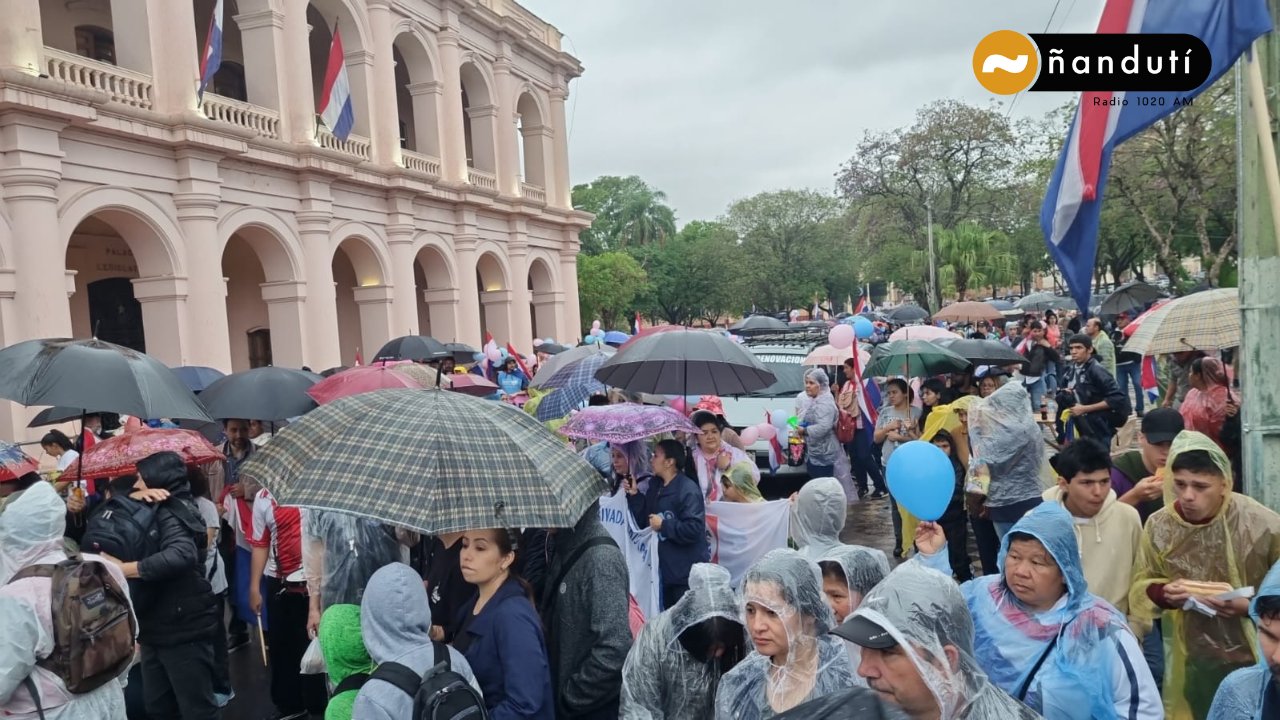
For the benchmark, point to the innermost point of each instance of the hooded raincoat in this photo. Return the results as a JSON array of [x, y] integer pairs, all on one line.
[[1238, 546], [863, 569], [1081, 639], [1242, 695], [785, 583], [818, 417], [741, 477], [344, 655], [924, 612], [661, 680], [1007, 440], [340, 552], [395, 621], [817, 517], [31, 534]]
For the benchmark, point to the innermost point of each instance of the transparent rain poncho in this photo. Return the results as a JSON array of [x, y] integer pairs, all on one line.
[[1238, 546], [1240, 696], [1005, 438], [662, 679], [924, 612], [818, 516], [795, 659], [340, 552], [863, 569]]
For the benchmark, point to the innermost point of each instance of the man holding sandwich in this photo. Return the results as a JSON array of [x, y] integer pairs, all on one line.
[[1206, 543]]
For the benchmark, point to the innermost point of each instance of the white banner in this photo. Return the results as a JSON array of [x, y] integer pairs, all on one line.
[[640, 547], [740, 533]]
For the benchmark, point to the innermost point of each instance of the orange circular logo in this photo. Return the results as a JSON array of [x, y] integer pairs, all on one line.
[[1005, 62]]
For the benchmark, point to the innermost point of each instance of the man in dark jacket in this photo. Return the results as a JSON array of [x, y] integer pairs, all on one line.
[[176, 607], [675, 510], [1039, 353], [1097, 396], [584, 608]]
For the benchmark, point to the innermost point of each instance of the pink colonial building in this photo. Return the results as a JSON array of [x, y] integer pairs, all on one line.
[[237, 231]]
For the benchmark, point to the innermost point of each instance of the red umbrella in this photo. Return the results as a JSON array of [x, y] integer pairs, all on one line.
[[469, 384], [14, 463], [119, 455], [1132, 327], [367, 378]]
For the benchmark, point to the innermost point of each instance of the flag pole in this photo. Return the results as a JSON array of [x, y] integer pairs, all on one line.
[[1262, 123]]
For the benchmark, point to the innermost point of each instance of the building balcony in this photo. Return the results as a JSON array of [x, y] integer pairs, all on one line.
[[417, 162], [123, 86], [354, 144], [262, 121], [483, 180], [533, 192]]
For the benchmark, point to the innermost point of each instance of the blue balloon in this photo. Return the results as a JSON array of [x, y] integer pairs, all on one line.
[[863, 328], [921, 478]]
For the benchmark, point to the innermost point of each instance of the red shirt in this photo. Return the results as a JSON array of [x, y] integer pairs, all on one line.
[[279, 528]]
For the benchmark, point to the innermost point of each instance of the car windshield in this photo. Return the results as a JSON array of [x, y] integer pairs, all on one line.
[[790, 380]]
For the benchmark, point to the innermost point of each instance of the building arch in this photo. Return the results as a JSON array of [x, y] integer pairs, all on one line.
[[150, 232], [439, 275], [492, 269], [543, 277], [366, 248], [273, 240], [479, 113], [418, 90], [533, 137]]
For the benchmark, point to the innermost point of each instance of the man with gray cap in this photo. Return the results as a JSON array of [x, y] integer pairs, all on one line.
[[916, 637]]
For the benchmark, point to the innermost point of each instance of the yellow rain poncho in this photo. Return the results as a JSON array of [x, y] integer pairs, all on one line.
[[1237, 546], [943, 417]]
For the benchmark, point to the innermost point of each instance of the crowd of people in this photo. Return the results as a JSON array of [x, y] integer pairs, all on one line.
[[1110, 578]]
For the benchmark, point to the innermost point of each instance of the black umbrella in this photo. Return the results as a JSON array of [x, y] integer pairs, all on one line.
[[59, 414], [856, 703], [548, 348], [1002, 305], [265, 393], [1041, 301], [758, 323], [904, 314], [686, 362], [462, 352], [418, 348], [94, 374], [983, 352], [1131, 297]]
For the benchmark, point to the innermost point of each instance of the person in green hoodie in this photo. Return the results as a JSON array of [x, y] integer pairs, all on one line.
[[344, 656]]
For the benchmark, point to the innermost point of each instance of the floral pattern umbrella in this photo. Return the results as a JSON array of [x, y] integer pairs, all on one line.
[[14, 463], [625, 422], [119, 455]]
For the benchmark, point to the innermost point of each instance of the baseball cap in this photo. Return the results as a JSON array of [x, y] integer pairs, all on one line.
[[1162, 425], [865, 633]]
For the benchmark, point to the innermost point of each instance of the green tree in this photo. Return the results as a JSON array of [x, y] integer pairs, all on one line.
[[970, 256], [697, 274], [629, 213], [608, 285]]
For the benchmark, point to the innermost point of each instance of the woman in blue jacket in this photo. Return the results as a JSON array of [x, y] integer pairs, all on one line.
[[499, 631], [674, 508]]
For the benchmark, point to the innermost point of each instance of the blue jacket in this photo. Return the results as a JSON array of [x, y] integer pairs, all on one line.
[[684, 525], [509, 656]]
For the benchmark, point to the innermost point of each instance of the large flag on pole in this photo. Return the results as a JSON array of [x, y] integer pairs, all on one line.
[[336, 109], [1073, 202], [211, 60]]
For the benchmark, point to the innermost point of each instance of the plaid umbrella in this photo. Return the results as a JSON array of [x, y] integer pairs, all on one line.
[[119, 455], [14, 463], [430, 461], [380, 376], [562, 401], [549, 375], [1208, 320], [626, 422]]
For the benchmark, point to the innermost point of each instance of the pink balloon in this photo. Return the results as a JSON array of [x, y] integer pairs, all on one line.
[[537, 342], [841, 336], [749, 435], [766, 431], [595, 324], [493, 353], [678, 405]]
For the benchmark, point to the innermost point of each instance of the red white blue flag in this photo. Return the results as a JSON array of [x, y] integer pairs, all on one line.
[[211, 59], [1073, 202], [336, 108]]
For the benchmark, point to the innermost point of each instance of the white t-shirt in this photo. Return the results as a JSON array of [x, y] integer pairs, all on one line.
[[212, 563], [67, 459], [890, 415]]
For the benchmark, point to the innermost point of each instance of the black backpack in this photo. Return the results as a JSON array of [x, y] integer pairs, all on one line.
[[438, 694], [124, 528]]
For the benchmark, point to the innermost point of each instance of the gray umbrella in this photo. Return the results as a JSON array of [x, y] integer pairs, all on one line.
[[904, 314], [983, 352], [1131, 297], [265, 393], [94, 374], [686, 362], [758, 323], [58, 414], [559, 361], [1039, 302]]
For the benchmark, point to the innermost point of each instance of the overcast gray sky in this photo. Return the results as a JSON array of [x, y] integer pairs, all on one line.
[[715, 100]]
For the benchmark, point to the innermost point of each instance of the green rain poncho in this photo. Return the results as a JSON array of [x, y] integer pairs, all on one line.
[[344, 655], [1238, 546]]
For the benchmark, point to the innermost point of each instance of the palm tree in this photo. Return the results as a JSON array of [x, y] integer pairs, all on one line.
[[972, 256]]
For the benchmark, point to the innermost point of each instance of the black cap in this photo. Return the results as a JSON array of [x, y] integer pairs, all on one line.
[[1162, 425], [864, 633]]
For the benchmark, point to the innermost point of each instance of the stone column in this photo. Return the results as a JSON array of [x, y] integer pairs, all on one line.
[[197, 200], [262, 35], [468, 315], [404, 309], [361, 73], [375, 303], [539, 147], [548, 310], [442, 306], [10, 415], [174, 55], [519, 320], [287, 316], [571, 317], [386, 113], [497, 315], [22, 38], [298, 111], [164, 317], [131, 28], [484, 121], [453, 152], [321, 337], [426, 110], [558, 190], [508, 168]]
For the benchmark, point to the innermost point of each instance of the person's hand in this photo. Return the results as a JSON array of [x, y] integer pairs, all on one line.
[[799, 431], [1238, 607], [723, 460], [1232, 408], [111, 559], [150, 495], [1077, 410], [1149, 488], [930, 538], [1176, 593], [237, 491], [313, 621], [437, 633], [655, 522], [75, 502], [1168, 401], [255, 599], [629, 483]]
